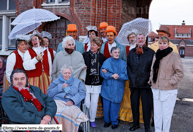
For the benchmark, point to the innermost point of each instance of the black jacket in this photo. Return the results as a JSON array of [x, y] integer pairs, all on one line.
[[87, 59], [138, 67]]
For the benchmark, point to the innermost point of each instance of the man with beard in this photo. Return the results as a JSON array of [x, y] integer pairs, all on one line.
[[72, 31], [102, 29], [107, 46], [26, 104], [138, 66]]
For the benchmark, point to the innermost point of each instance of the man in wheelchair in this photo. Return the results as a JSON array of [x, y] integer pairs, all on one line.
[[26, 104]]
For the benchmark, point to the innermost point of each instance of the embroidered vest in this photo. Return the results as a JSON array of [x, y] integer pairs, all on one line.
[[85, 46], [46, 63], [127, 50], [51, 53], [38, 71], [18, 62], [106, 51]]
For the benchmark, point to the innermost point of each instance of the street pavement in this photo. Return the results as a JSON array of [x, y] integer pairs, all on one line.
[[182, 119]]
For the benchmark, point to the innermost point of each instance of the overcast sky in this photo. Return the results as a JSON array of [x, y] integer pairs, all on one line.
[[170, 12]]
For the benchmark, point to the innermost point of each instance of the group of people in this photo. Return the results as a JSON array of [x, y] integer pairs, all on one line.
[[124, 76]]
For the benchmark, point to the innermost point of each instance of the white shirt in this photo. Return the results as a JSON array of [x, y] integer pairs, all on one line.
[[104, 39], [110, 46], [54, 52], [132, 46], [11, 60], [30, 64], [88, 46], [162, 95]]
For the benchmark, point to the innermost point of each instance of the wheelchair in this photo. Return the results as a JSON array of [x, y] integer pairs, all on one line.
[[85, 125]]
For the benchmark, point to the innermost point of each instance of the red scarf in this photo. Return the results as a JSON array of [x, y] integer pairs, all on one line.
[[139, 50], [106, 51], [29, 97]]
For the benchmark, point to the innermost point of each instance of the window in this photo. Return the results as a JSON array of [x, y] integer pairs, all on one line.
[[58, 31], [0, 32], [7, 15], [149, 39], [7, 5], [57, 3], [48, 1]]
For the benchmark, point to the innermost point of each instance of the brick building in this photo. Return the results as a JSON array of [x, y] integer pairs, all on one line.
[[151, 36], [80, 12]]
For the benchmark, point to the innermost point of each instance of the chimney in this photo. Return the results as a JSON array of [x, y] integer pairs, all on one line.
[[183, 22]]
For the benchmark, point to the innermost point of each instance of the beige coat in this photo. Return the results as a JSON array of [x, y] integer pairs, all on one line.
[[75, 60], [169, 74]]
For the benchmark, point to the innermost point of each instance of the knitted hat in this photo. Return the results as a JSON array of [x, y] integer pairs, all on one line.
[[103, 25], [111, 29], [71, 27]]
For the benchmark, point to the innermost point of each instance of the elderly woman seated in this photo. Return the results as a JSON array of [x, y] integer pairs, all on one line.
[[68, 92]]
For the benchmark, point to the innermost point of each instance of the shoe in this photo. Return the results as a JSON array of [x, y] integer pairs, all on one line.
[[107, 124], [114, 126], [80, 129], [152, 123], [133, 128], [148, 130], [92, 124]]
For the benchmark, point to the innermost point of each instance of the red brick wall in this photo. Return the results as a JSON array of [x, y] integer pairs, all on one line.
[[128, 11], [188, 51], [92, 12], [23, 5]]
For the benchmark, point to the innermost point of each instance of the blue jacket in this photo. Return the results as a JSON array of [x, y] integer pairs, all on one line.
[[123, 54], [76, 94], [79, 47], [113, 89], [25, 112]]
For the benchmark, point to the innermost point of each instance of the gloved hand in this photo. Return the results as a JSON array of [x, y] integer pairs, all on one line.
[[39, 57]]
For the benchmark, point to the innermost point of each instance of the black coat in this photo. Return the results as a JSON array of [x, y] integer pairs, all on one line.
[[87, 59], [138, 67]]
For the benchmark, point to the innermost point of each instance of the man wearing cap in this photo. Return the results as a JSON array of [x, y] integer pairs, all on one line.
[[102, 29], [106, 47], [163, 31], [72, 31]]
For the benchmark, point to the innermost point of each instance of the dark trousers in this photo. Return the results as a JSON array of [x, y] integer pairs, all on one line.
[[147, 104]]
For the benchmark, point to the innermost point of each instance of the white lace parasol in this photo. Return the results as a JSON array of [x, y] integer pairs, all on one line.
[[136, 26], [34, 16], [22, 29]]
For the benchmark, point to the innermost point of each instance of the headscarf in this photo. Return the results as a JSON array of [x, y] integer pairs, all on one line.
[[61, 78], [2, 70]]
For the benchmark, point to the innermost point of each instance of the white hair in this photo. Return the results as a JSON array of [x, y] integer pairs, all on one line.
[[66, 39], [66, 67]]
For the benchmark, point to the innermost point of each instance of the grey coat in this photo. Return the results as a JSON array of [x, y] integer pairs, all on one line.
[[75, 60]]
